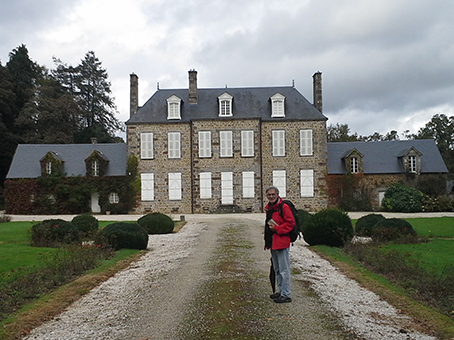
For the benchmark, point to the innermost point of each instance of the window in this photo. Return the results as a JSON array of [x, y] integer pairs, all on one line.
[[174, 145], [174, 185], [95, 168], [278, 143], [204, 144], [114, 198], [205, 185], [412, 164], [306, 143], [225, 105], [307, 183], [146, 145], [247, 143], [354, 165], [173, 107], [226, 187], [147, 184], [277, 105], [226, 149], [279, 181], [248, 184], [49, 168]]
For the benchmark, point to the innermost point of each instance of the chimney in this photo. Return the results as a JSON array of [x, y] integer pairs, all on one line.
[[193, 97], [94, 140], [318, 102], [133, 94]]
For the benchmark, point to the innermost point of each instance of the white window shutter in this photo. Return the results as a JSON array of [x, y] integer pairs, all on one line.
[[307, 182]]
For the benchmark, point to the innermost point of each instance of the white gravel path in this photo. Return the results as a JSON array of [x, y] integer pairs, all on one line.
[[104, 312]]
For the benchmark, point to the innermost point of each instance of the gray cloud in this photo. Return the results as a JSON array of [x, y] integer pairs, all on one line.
[[386, 64]]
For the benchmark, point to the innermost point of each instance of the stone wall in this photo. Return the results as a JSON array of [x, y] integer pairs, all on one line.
[[262, 163]]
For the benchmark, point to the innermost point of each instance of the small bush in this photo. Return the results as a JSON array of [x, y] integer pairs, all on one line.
[[392, 229], [157, 223], [437, 203], [123, 235], [87, 224], [54, 233], [365, 224], [401, 198], [331, 227]]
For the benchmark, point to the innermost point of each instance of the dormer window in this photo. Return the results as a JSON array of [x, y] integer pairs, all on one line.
[[51, 164], [277, 105], [173, 107], [353, 161], [225, 105], [96, 164], [411, 160]]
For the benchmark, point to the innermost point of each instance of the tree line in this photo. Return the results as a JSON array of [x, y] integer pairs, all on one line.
[[440, 128], [66, 104]]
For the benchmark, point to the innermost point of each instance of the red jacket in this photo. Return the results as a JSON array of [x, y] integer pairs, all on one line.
[[281, 239]]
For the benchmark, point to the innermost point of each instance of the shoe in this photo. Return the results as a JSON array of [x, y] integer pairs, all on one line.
[[282, 299], [275, 295]]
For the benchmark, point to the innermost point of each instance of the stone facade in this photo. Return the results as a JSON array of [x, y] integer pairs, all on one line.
[[257, 119]]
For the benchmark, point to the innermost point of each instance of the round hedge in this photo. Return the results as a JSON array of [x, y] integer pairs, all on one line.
[[331, 227], [87, 224], [54, 233], [365, 224], [157, 223], [402, 198], [392, 229], [123, 235]]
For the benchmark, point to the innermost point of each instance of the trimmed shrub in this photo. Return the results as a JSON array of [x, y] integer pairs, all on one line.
[[331, 227], [365, 224], [123, 235], [54, 233], [438, 203], [87, 224], [157, 223], [392, 229], [401, 198]]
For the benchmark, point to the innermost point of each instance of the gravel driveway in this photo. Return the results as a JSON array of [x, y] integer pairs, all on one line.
[[210, 281]]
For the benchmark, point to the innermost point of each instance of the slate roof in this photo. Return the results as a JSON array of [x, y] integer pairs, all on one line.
[[383, 157], [247, 103], [26, 161]]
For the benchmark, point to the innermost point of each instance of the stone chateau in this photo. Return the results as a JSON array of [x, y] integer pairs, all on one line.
[[204, 150]]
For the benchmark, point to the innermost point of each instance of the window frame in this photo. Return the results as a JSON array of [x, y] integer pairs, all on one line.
[[114, 198], [225, 144], [173, 107], [247, 143], [354, 165], [146, 145], [225, 105], [277, 106], [412, 164], [174, 145], [278, 142], [205, 183], [175, 186], [280, 181], [248, 184], [227, 190], [95, 168], [147, 182], [205, 144], [307, 181], [306, 143]]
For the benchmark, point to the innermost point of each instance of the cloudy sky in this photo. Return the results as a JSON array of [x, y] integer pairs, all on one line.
[[386, 65]]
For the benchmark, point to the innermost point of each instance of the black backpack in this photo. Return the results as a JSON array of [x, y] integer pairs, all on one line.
[[296, 232]]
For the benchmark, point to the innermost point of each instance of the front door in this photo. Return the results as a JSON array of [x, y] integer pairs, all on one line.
[[95, 207]]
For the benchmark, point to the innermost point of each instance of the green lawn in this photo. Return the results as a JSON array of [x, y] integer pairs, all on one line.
[[16, 254], [435, 256], [433, 227]]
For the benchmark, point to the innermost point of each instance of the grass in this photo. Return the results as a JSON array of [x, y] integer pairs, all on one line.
[[421, 286], [440, 227]]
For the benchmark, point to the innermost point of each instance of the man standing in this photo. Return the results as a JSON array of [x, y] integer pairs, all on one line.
[[279, 222]]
